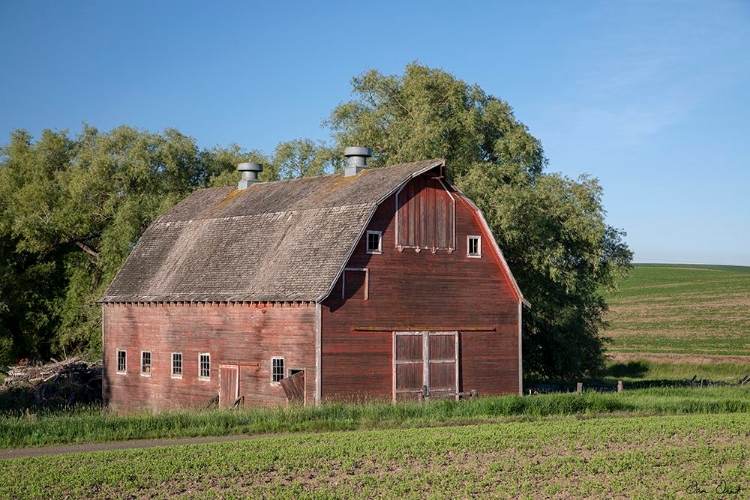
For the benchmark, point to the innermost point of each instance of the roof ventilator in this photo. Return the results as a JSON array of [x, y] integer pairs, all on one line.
[[357, 160], [250, 172]]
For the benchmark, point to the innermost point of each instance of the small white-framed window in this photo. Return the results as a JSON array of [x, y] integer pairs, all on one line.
[[146, 363], [204, 366], [122, 361], [374, 242], [474, 246], [277, 369], [176, 365]]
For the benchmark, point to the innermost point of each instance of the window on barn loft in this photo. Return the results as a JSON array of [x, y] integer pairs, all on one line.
[[176, 365], [474, 246], [146, 363], [122, 361], [204, 366], [277, 369], [374, 242]]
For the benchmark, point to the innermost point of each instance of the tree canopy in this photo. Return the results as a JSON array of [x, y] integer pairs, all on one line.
[[72, 208]]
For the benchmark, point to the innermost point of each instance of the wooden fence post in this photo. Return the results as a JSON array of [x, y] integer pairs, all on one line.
[[619, 386], [579, 388]]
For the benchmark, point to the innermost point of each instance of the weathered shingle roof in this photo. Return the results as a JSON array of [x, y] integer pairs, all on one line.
[[277, 241]]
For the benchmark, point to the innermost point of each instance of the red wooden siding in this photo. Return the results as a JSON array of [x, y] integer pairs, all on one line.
[[426, 217], [243, 335], [409, 290]]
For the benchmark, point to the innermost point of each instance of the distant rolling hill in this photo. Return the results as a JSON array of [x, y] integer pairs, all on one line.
[[682, 312]]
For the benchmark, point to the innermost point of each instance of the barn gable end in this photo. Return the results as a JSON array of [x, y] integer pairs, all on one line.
[[422, 293]]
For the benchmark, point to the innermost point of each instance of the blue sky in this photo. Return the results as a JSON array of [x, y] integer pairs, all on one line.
[[652, 98]]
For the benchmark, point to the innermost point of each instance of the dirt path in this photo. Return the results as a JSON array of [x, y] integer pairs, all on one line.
[[679, 358], [118, 445]]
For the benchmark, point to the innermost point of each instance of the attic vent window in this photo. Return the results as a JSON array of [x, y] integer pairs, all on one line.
[[374, 242], [474, 247]]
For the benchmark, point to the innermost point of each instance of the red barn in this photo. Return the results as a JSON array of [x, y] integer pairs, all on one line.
[[374, 284]]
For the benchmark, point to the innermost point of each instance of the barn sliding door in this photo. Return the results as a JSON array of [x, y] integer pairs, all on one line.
[[424, 363]]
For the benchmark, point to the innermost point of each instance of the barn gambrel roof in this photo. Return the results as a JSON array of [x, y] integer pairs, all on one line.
[[278, 241]]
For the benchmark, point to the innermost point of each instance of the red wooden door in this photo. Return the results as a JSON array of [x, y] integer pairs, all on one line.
[[443, 364], [425, 364], [229, 385], [408, 366]]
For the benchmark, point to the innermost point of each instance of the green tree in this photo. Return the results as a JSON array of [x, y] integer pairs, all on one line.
[[551, 228], [71, 210]]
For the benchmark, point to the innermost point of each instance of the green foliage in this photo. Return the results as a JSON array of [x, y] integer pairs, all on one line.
[[551, 228], [71, 210]]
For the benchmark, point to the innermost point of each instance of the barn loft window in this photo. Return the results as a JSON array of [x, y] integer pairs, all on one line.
[[474, 246], [146, 363], [374, 242], [277, 369], [122, 361], [176, 365], [426, 216], [204, 366]]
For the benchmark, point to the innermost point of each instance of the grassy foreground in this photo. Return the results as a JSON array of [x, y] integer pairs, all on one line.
[[95, 425], [683, 456]]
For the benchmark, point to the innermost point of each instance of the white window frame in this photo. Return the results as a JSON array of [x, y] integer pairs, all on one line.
[[117, 361], [378, 250], [182, 367], [283, 367], [200, 368], [150, 364], [478, 254]]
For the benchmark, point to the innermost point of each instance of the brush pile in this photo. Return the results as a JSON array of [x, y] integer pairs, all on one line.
[[59, 383]]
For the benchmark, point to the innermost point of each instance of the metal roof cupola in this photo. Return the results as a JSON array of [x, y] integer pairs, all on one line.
[[250, 171], [357, 160]]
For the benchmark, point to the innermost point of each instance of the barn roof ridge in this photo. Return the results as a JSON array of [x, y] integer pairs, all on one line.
[[279, 241]]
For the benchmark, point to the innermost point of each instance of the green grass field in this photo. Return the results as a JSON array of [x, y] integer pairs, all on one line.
[[678, 456], [683, 320], [95, 425]]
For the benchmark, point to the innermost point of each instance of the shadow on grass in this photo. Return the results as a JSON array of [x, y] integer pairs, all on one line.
[[48, 396], [631, 369], [16, 399]]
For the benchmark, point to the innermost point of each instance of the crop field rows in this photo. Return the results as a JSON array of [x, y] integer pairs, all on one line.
[[686, 310], [690, 456]]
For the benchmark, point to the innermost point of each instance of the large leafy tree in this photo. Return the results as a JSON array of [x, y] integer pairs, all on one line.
[[551, 228], [71, 210]]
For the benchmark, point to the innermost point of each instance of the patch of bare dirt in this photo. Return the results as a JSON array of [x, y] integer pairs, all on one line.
[[680, 358]]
